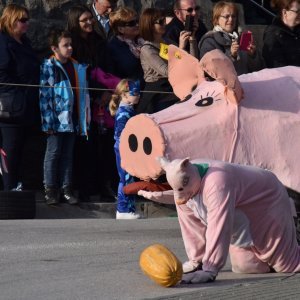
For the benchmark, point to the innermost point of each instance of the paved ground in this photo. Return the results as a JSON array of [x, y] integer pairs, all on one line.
[[98, 259]]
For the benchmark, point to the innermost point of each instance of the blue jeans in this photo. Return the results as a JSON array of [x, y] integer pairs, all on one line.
[[58, 162], [126, 203]]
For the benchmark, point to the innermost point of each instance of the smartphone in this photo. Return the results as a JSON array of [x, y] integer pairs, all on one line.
[[189, 23], [245, 40]]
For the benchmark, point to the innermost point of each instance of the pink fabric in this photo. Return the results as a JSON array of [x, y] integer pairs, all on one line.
[[110, 81], [186, 73], [263, 130], [208, 221]]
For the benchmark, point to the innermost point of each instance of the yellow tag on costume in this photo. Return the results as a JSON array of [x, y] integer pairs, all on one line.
[[163, 53]]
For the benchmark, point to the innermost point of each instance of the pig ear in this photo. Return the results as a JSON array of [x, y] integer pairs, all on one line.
[[163, 161], [184, 163]]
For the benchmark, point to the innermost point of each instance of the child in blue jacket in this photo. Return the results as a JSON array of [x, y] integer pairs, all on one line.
[[126, 95], [65, 111]]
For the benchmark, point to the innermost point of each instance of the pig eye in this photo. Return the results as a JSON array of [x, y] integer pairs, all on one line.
[[208, 100], [205, 102], [185, 181], [180, 189], [133, 143], [147, 146]]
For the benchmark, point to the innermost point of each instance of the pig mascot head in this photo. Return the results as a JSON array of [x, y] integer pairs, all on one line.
[[183, 177]]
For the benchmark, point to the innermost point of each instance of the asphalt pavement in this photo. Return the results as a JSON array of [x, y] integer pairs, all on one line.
[[97, 258]]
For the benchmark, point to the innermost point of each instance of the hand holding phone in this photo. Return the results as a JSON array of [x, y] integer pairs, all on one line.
[[189, 23], [246, 40]]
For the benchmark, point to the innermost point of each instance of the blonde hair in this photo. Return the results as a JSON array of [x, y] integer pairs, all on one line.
[[11, 14], [116, 97], [120, 16]]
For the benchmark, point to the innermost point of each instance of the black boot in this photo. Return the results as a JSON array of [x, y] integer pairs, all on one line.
[[69, 196], [51, 196]]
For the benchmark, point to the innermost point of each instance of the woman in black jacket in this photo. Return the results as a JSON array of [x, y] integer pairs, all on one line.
[[18, 65], [282, 38]]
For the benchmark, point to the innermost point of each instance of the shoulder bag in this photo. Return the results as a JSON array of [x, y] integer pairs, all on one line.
[[12, 106]]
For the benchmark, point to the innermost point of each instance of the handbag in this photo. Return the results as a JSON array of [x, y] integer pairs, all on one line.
[[110, 81], [12, 106]]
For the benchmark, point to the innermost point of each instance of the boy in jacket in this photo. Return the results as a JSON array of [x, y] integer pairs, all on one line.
[[65, 111]]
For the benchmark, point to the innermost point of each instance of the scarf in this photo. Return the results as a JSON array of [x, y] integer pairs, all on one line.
[[202, 169], [227, 35], [134, 45]]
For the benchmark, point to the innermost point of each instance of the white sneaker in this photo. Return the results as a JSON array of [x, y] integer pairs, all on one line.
[[189, 267], [127, 216]]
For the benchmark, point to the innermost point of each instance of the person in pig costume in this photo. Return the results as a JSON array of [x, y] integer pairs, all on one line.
[[252, 119], [224, 207]]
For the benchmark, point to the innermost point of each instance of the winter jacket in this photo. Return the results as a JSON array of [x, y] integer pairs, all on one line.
[[99, 28], [281, 45], [19, 65], [123, 114], [125, 64], [243, 64], [174, 28], [57, 103]]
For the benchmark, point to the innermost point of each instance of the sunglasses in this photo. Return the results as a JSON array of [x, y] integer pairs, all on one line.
[[226, 17], [23, 20], [132, 23], [161, 21], [191, 9]]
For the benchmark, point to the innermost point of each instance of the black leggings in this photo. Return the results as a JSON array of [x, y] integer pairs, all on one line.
[[12, 141]]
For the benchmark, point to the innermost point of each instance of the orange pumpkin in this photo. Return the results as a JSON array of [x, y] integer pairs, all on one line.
[[161, 265]]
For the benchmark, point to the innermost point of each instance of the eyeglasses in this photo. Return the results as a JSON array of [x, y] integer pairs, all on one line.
[[161, 21], [226, 17], [23, 20], [86, 20], [190, 9], [295, 11], [132, 23]]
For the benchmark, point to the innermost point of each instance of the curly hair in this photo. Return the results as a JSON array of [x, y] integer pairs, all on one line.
[[116, 97]]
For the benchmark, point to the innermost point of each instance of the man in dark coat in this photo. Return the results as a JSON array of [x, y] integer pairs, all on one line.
[[101, 10], [182, 8]]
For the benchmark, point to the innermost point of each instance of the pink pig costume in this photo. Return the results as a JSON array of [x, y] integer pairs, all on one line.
[[241, 209]]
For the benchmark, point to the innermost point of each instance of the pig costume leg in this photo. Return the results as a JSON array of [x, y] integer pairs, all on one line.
[[243, 260]]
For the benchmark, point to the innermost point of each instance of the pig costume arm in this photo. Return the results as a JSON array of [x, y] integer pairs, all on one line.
[[165, 197]]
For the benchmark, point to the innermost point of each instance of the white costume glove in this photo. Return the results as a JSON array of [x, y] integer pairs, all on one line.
[[166, 197], [199, 277]]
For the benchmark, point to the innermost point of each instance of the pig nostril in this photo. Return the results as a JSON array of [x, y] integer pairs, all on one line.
[[147, 145], [133, 143]]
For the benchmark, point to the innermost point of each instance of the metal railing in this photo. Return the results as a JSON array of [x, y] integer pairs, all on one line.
[[261, 6]]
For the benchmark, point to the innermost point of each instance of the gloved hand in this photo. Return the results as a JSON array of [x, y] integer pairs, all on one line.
[[199, 277]]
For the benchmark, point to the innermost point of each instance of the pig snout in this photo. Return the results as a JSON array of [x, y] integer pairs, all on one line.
[[140, 143]]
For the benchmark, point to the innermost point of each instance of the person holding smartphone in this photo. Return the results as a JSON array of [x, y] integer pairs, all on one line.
[[184, 10], [224, 37]]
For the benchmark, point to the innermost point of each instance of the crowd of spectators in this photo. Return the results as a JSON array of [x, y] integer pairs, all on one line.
[[127, 46]]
